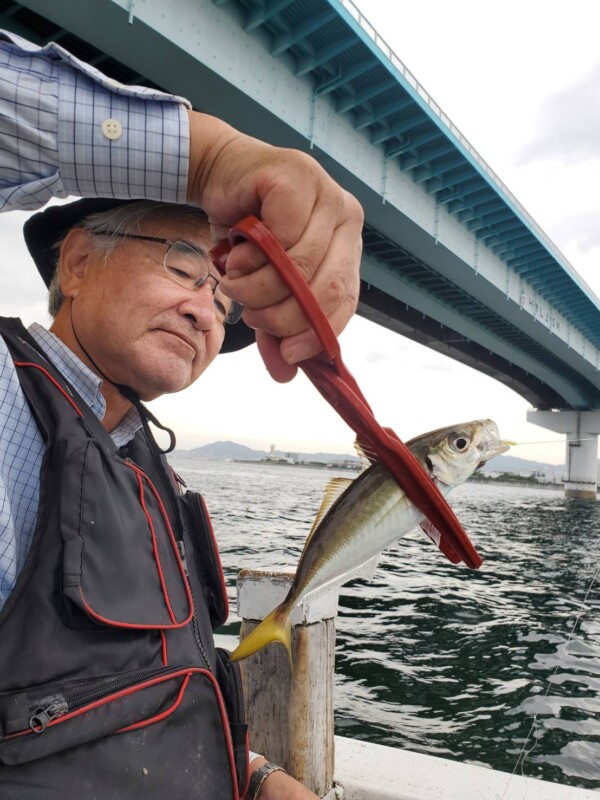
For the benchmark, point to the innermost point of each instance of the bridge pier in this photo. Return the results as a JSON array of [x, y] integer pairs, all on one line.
[[582, 429]]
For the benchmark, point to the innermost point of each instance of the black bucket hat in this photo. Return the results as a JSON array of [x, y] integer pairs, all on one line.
[[43, 230]]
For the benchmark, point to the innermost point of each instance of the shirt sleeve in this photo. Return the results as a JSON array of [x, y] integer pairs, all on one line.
[[67, 129]]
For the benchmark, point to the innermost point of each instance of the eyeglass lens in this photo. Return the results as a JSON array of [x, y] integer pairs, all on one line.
[[191, 269]]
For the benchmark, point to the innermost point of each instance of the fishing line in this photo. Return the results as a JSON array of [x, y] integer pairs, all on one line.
[[525, 753], [556, 441]]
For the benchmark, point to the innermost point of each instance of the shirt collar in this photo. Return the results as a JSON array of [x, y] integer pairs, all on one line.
[[85, 382]]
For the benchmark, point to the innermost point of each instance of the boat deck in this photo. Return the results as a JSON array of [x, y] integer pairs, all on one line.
[[366, 771]]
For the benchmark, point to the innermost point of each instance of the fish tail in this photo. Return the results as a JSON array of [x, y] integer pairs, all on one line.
[[275, 627]]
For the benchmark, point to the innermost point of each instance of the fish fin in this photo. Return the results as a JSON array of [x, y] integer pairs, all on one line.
[[364, 571], [275, 627], [333, 489], [366, 455], [440, 541]]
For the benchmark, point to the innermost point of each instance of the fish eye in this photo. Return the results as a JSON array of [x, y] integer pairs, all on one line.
[[459, 443]]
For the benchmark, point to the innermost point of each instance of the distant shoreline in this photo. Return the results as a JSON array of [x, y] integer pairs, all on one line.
[[516, 484], [311, 464]]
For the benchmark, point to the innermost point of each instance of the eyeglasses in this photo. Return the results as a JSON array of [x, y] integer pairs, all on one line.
[[190, 268]]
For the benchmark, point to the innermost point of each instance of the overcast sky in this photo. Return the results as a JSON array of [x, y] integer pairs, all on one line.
[[522, 82]]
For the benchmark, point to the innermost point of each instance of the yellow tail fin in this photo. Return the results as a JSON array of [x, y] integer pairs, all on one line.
[[275, 627]]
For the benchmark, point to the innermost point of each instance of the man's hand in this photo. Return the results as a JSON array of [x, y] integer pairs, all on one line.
[[280, 786], [317, 222]]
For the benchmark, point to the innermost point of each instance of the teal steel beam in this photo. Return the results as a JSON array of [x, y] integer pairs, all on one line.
[[463, 200], [263, 13], [530, 265], [364, 95], [424, 157], [345, 78], [510, 225], [309, 63], [502, 215], [437, 184], [485, 207], [422, 174], [510, 237], [500, 230], [398, 128], [284, 41], [382, 111], [409, 144], [502, 250], [479, 187], [471, 218], [511, 241]]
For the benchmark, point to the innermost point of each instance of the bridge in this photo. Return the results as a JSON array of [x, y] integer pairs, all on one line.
[[451, 259]]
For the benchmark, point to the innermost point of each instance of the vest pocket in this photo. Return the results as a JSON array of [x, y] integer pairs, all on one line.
[[124, 713], [121, 565], [206, 556]]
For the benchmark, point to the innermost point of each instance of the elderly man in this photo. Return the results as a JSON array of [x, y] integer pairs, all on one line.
[[110, 584]]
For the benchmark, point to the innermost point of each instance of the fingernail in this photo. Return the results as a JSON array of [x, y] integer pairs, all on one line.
[[296, 353]]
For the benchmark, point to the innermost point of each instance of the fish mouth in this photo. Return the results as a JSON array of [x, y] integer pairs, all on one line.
[[492, 445]]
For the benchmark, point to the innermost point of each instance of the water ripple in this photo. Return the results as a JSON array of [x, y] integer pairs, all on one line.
[[446, 660]]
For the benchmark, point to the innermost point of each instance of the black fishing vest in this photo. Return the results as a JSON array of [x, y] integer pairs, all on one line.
[[111, 687]]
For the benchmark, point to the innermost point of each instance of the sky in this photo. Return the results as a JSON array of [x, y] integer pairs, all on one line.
[[521, 80]]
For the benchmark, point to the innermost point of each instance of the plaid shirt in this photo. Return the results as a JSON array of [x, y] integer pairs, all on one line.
[[53, 139], [54, 142]]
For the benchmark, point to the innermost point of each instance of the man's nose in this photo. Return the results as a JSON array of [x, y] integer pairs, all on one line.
[[199, 307]]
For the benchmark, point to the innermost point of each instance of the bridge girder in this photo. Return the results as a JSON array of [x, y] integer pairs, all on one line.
[[233, 76]]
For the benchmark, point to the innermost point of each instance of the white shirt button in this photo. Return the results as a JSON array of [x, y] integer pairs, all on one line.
[[112, 128]]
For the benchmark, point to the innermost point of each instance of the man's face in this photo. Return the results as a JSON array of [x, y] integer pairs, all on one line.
[[139, 326]]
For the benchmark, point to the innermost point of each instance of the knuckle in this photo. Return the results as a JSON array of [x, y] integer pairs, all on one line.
[[342, 293], [307, 262]]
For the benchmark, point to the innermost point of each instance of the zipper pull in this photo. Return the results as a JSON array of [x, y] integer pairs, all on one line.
[[55, 707], [181, 550]]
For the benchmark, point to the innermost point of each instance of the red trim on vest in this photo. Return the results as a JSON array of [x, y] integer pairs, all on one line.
[[161, 576], [217, 556], [165, 654], [170, 533], [163, 715], [55, 382], [247, 784], [187, 673]]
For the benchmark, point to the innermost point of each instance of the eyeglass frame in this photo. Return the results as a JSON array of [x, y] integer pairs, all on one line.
[[236, 308]]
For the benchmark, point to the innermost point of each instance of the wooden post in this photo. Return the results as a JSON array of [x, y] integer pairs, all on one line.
[[291, 717]]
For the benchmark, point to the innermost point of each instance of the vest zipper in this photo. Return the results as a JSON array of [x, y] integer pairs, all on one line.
[[239, 691], [58, 705], [195, 624]]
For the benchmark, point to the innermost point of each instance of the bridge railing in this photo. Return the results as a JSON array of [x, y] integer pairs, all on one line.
[[387, 51]]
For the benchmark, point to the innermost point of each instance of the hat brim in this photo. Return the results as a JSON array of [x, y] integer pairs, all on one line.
[[43, 230]]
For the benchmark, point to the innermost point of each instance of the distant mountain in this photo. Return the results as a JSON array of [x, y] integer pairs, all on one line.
[[228, 451], [222, 450], [231, 450], [513, 464]]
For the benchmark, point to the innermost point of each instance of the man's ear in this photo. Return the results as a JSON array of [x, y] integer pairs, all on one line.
[[74, 260]]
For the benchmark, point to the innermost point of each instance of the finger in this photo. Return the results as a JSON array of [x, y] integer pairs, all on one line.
[[301, 206], [262, 287], [306, 344], [335, 287], [269, 349]]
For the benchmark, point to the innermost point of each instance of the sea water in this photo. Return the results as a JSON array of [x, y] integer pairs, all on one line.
[[437, 658]]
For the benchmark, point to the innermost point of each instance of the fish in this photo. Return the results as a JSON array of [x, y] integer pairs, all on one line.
[[359, 518]]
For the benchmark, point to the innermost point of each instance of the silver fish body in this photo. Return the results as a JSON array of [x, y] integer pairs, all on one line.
[[372, 513]]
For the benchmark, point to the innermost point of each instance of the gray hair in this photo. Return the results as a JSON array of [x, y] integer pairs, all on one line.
[[112, 224]]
